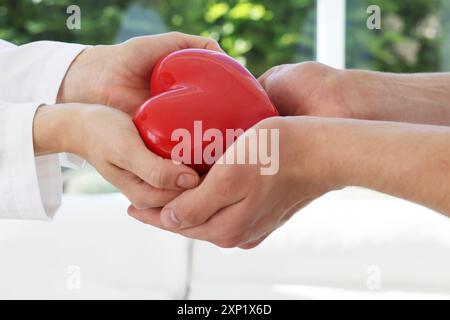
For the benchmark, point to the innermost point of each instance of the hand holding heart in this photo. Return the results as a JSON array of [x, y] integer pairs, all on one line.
[[118, 76], [236, 206], [108, 139], [199, 93]]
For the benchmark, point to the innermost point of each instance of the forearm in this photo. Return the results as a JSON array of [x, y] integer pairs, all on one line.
[[405, 160], [415, 98]]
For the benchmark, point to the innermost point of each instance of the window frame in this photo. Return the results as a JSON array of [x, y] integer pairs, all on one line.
[[330, 42]]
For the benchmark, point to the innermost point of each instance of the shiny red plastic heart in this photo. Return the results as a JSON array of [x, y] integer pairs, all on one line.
[[199, 85]]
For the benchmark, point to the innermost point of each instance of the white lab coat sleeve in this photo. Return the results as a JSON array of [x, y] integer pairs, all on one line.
[[34, 72], [30, 186]]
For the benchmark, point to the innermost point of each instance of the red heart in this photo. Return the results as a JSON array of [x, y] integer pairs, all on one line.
[[199, 85]]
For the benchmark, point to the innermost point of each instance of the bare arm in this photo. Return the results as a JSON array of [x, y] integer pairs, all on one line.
[[416, 98], [317, 90], [405, 160], [318, 155]]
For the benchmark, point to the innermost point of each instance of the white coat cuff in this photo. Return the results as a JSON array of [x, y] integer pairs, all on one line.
[[61, 55], [69, 160], [34, 185]]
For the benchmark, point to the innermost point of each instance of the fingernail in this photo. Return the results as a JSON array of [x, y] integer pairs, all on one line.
[[187, 181], [169, 220]]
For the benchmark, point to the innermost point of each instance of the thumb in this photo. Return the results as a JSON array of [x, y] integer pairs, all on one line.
[[196, 206]]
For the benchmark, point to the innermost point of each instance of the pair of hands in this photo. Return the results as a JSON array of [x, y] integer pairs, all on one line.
[[83, 124], [234, 206]]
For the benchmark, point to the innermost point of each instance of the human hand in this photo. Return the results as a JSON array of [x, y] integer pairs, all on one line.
[[314, 89], [311, 89], [236, 206], [119, 75], [108, 139]]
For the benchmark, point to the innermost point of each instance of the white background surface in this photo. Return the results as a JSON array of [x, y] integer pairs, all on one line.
[[326, 251]]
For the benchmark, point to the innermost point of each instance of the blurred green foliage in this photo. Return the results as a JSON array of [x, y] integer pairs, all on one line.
[[23, 21], [259, 33], [414, 36]]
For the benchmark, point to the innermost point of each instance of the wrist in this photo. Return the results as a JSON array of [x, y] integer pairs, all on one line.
[[356, 152], [52, 129], [313, 152], [364, 93], [80, 84]]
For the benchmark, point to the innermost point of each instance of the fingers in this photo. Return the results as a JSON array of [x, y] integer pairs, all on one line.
[[148, 216], [263, 80], [194, 207], [228, 228], [244, 225], [266, 75], [270, 224], [140, 194], [158, 172], [186, 41], [231, 227], [253, 244], [225, 236]]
